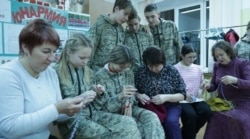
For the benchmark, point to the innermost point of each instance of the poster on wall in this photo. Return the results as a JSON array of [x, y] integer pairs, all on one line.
[[22, 13], [5, 11], [11, 33], [63, 36], [19, 14], [78, 21]]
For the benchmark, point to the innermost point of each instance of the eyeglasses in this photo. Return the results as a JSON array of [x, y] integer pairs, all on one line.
[[192, 57]]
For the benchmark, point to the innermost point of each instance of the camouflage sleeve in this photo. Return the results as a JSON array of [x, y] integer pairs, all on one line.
[[88, 78], [130, 80], [109, 101], [236, 48], [151, 40], [108, 38], [94, 37], [67, 91], [105, 39]]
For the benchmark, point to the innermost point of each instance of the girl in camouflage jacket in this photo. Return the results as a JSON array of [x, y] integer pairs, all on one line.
[[75, 79], [119, 90]]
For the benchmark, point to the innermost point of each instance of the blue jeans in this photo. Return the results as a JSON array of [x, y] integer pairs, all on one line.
[[171, 124]]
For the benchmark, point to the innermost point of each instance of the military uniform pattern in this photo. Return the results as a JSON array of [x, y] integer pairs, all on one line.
[[242, 49], [138, 42], [95, 124], [166, 36], [105, 37], [102, 125], [147, 121]]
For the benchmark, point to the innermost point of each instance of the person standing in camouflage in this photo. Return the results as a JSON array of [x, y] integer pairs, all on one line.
[[137, 39], [165, 34], [107, 32], [75, 79], [242, 47], [119, 83]]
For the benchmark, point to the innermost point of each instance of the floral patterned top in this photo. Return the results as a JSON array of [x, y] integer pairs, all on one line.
[[168, 81]]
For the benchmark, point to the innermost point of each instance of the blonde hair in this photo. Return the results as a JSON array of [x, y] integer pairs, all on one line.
[[73, 44]]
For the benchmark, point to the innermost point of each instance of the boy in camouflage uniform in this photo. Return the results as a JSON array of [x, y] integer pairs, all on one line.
[[119, 87], [165, 34], [75, 78], [137, 39], [242, 47], [108, 32]]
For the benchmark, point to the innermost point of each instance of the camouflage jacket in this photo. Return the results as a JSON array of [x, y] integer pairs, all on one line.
[[113, 83], [167, 37], [138, 42], [242, 48], [105, 36], [72, 90]]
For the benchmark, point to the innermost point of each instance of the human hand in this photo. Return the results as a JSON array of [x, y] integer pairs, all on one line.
[[143, 98], [88, 96], [206, 86], [146, 29], [127, 108], [204, 82], [99, 89], [159, 99], [127, 92], [188, 98], [69, 106], [191, 98], [229, 80]]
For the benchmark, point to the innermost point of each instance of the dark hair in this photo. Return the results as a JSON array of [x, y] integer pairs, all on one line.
[[133, 15], [37, 32], [153, 55], [123, 4], [186, 49], [225, 46], [151, 7], [248, 25], [121, 54]]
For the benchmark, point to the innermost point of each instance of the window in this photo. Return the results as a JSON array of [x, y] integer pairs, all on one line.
[[193, 21]]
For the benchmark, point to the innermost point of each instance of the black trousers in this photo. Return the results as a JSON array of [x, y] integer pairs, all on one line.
[[193, 117]]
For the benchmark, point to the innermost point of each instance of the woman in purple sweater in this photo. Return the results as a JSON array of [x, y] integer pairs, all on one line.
[[231, 78]]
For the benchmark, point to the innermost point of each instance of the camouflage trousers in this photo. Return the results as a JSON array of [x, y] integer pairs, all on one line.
[[102, 125], [148, 123]]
